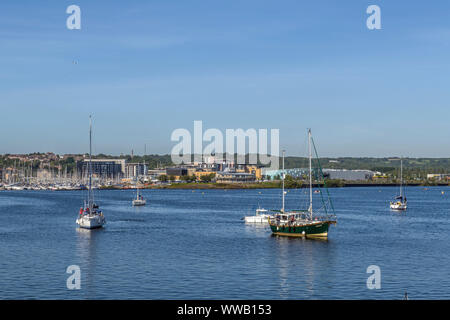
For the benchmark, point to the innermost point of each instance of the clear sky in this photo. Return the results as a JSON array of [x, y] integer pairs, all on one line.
[[145, 68]]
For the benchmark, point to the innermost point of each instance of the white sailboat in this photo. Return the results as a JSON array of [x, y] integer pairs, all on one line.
[[90, 217], [139, 201], [400, 202]]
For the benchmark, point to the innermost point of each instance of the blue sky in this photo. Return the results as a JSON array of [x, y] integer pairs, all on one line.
[[145, 68]]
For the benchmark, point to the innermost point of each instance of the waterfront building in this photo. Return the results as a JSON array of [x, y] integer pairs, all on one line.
[[438, 176], [342, 174], [153, 174], [133, 170], [200, 174], [253, 169], [349, 175], [177, 172], [107, 168], [233, 177], [295, 173]]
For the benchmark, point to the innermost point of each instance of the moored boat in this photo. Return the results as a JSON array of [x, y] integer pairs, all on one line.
[[400, 203], [261, 216], [303, 223], [139, 201], [90, 217], [296, 224]]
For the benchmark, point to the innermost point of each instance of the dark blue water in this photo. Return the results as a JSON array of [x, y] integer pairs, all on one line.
[[193, 245]]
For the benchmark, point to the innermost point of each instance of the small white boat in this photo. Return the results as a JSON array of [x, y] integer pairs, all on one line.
[[262, 216], [399, 205], [400, 202], [139, 201], [91, 220]]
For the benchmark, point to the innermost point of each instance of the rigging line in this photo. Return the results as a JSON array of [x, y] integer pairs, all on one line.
[[324, 182], [321, 176]]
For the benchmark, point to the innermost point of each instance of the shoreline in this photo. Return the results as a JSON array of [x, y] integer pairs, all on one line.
[[243, 186], [239, 186]]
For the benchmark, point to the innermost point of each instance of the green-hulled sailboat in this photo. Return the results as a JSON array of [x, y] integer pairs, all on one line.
[[303, 223]]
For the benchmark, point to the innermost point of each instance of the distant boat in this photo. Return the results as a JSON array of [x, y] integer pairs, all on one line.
[[262, 216], [400, 202], [139, 201], [90, 217], [302, 223]]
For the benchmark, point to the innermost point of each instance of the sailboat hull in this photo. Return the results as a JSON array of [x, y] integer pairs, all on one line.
[[398, 206], [138, 203], [313, 230], [92, 222]]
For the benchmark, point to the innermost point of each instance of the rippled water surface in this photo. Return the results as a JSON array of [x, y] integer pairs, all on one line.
[[194, 245]]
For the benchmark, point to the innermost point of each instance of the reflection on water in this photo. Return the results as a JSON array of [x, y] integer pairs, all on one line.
[[303, 264], [189, 245], [86, 251]]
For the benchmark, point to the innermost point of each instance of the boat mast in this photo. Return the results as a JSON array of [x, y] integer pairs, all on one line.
[[401, 177], [310, 174], [282, 208], [137, 181], [90, 197]]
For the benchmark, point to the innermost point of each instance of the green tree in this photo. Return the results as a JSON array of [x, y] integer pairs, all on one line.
[[163, 178], [208, 177]]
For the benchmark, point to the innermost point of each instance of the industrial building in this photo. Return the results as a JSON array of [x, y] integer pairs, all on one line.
[[232, 177], [133, 170], [341, 174], [108, 168], [349, 175], [177, 172]]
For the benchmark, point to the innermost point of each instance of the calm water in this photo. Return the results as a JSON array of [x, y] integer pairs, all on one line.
[[193, 245]]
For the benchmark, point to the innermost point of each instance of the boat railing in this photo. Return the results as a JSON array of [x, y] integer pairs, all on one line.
[[302, 219]]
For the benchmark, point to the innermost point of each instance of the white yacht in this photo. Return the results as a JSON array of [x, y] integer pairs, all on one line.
[[90, 217], [400, 202], [262, 216], [139, 201]]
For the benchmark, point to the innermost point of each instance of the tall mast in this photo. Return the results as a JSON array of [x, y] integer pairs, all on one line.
[[90, 197], [310, 174], [282, 208], [401, 176]]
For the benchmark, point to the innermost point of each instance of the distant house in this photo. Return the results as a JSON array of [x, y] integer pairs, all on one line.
[[438, 176]]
